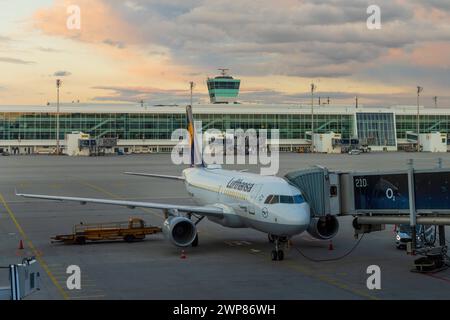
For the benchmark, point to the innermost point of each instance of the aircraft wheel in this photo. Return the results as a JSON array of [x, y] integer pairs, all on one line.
[[274, 255], [280, 255], [80, 240], [195, 243]]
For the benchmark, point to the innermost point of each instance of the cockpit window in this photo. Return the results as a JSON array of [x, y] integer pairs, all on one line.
[[286, 199], [268, 199], [274, 199], [298, 198]]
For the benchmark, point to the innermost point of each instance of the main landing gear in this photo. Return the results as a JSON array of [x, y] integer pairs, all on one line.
[[277, 254], [199, 219]]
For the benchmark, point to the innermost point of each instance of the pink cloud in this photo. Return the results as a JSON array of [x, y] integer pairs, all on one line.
[[432, 54], [436, 54], [98, 22]]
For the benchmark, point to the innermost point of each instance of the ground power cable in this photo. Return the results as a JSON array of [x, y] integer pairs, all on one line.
[[331, 259]]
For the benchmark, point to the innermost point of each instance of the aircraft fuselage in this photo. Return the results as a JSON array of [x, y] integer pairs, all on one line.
[[265, 203]]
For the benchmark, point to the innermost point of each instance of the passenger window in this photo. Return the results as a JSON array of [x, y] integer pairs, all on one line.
[[275, 200], [333, 191]]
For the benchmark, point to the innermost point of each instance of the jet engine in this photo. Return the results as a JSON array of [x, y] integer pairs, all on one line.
[[180, 230], [323, 228]]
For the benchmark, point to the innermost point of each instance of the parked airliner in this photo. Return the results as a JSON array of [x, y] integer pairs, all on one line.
[[232, 199]]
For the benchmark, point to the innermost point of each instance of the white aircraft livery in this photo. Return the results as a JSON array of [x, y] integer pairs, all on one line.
[[233, 199]]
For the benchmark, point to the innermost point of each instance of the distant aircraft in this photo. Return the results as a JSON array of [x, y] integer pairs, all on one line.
[[233, 199]]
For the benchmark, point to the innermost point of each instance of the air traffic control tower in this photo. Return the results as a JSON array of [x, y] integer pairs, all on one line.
[[223, 88]]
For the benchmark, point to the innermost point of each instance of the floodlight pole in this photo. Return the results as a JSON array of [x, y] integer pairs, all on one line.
[[313, 88], [192, 85], [58, 85], [419, 90]]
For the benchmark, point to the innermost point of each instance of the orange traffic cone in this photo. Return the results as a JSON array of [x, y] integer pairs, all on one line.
[[20, 244], [183, 255], [330, 245]]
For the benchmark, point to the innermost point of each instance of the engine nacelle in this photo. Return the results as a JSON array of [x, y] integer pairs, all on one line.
[[180, 231], [323, 228]]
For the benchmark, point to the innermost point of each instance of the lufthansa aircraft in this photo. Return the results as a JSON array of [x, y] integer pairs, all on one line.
[[232, 199]]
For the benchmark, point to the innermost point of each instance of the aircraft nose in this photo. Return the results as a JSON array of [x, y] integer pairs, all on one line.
[[298, 218], [303, 215]]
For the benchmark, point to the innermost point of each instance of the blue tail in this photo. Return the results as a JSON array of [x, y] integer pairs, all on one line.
[[196, 154]]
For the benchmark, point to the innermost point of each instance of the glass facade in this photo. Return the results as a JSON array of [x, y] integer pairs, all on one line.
[[376, 129], [428, 124], [41, 126]]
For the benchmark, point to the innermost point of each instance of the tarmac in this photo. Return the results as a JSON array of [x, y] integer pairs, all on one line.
[[228, 263]]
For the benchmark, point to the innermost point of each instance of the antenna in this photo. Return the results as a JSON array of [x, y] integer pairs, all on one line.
[[223, 71]]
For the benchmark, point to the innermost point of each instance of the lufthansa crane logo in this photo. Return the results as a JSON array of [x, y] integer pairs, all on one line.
[[265, 212], [240, 185]]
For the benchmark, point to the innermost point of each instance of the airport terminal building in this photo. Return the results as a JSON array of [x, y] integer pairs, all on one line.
[[32, 129]]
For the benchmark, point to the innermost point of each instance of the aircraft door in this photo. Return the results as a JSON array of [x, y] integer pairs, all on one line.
[[253, 200]]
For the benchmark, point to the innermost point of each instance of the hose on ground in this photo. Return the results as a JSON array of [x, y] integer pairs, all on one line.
[[331, 259]]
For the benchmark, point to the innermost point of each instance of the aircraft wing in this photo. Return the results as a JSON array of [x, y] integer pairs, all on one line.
[[153, 175], [201, 210]]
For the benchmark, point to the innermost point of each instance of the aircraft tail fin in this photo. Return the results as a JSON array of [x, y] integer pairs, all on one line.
[[195, 152]]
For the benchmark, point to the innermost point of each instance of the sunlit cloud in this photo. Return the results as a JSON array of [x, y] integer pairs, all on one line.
[[15, 60], [62, 73], [126, 49]]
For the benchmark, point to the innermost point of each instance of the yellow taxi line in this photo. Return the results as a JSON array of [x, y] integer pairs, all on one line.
[[33, 248]]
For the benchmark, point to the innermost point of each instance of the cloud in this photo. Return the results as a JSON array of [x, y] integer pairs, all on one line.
[[62, 74], [305, 39], [15, 61], [443, 5], [149, 95], [155, 96], [117, 44], [98, 22], [264, 38], [46, 49], [340, 98]]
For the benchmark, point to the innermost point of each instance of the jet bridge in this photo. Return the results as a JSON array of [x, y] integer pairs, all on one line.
[[406, 192], [376, 198], [320, 188]]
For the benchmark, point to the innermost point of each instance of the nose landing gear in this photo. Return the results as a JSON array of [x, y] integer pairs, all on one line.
[[277, 254]]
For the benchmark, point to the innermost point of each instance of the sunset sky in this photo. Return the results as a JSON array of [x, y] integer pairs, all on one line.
[[128, 50]]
